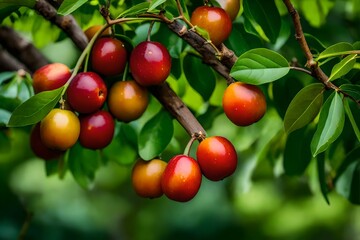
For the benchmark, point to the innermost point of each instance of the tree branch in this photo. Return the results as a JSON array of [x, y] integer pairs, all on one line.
[[10, 63], [67, 23], [21, 48], [177, 108], [165, 95], [222, 64], [316, 71]]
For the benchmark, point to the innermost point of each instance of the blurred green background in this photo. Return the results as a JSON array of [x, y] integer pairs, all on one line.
[[257, 202]]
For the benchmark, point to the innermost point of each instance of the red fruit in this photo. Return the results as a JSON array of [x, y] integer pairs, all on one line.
[[38, 147], [217, 158], [96, 129], [146, 177], [215, 21], [87, 92], [150, 63], [181, 179], [108, 56], [50, 77], [244, 104]]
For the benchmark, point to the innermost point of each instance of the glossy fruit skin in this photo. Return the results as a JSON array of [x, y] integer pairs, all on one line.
[[96, 129], [50, 77], [214, 20], [92, 30], [150, 63], [231, 7], [244, 104], [127, 100], [217, 158], [108, 56], [60, 129], [146, 177], [39, 148], [87, 92], [181, 179]]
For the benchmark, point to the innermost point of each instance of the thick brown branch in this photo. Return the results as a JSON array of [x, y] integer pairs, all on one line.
[[177, 108], [21, 48], [317, 72], [10, 63], [67, 23], [222, 64]]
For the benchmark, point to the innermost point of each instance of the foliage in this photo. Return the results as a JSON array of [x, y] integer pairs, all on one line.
[[320, 124]]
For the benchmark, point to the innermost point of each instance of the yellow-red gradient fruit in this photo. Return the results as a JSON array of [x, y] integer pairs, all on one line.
[[244, 104], [60, 129], [127, 100], [146, 177]]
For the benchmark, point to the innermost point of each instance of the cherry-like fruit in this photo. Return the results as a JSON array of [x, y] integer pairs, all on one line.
[[108, 56], [50, 77], [87, 92], [217, 158], [127, 100], [146, 177], [38, 147], [96, 129], [60, 129], [150, 63], [244, 104], [231, 7], [181, 179], [214, 20]]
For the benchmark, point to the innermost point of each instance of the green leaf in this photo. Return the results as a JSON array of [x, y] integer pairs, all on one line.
[[69, 6], [297, 154], [155, 135], [266, 15], [155, 3], [322, 176], [351, 89], [83, 164], [337, 49], [35, 108], [259, 66], [135, 10], [6, 76], [314, 43], [351, 118], [347, 180], [331, 123], [304, 107], [200, 76], [122, 143], [316, 11], [343, 67]]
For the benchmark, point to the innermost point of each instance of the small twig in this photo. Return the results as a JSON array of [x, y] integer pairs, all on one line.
[[25, 226], [302, 70], [317, 72]]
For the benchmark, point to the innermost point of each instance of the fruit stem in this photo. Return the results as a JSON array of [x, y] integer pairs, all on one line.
[[188, 146], [149, 31], [125, 72], [195, 136]]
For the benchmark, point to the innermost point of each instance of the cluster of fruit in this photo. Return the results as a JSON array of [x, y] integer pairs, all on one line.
[[87, 92], [82, 116], [181, 177]]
